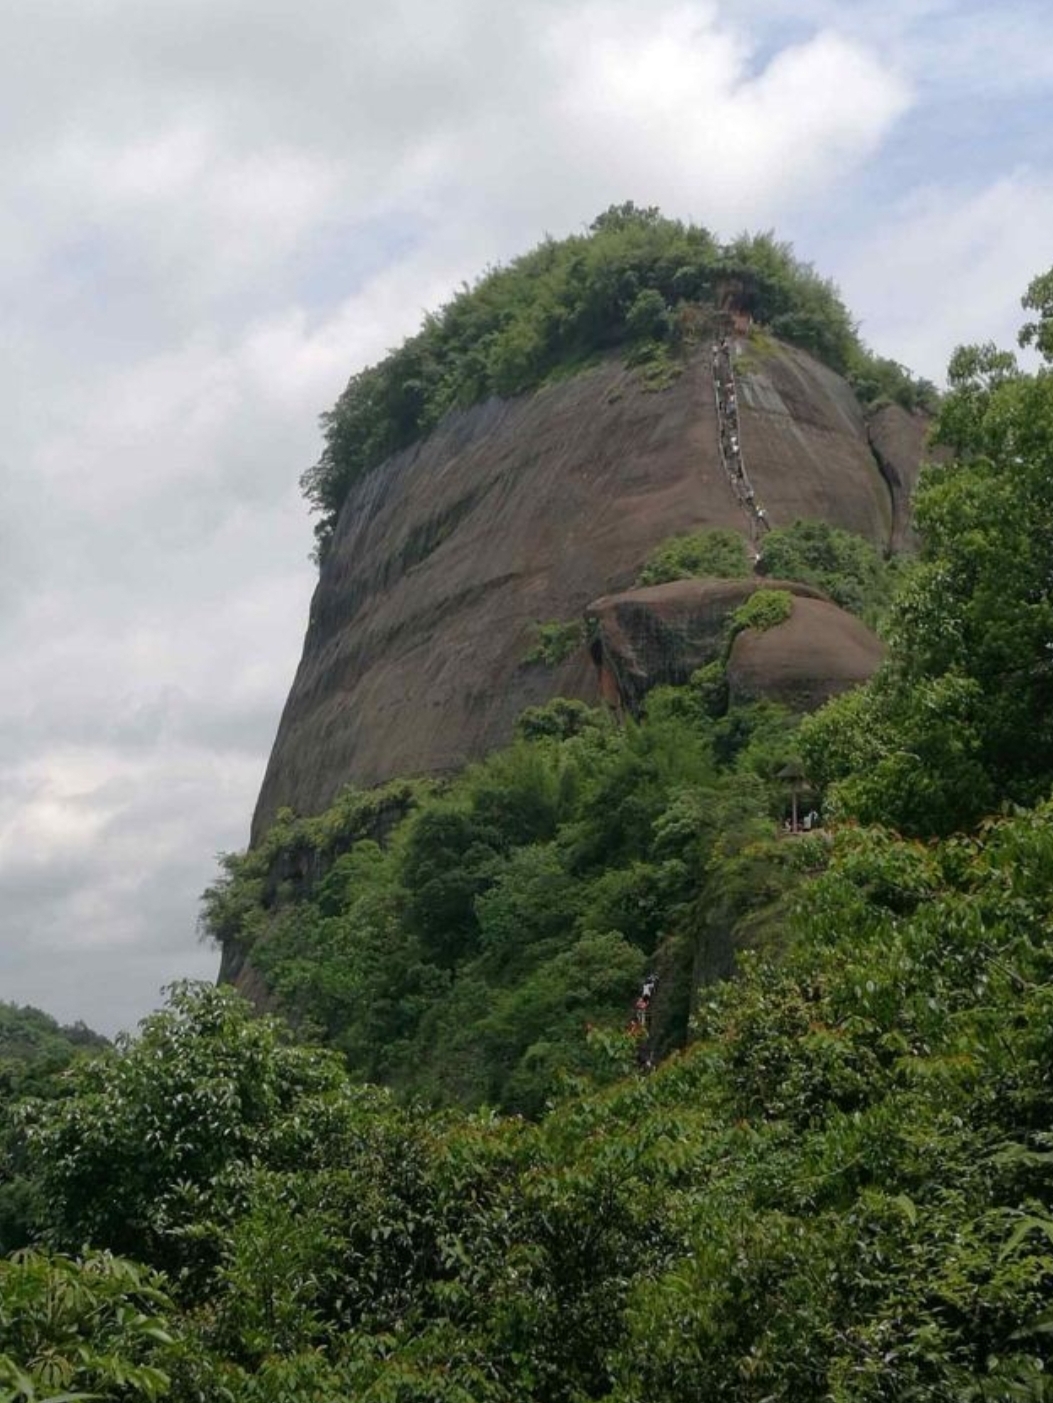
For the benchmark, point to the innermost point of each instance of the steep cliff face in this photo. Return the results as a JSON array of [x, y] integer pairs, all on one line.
[[898, 443], [521, 511]]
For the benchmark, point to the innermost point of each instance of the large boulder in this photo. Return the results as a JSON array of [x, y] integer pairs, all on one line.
[[644, 638], [813, 655]]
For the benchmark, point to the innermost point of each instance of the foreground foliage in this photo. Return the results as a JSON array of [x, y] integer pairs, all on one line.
[[90, 1328], [842, 1190], [960, 719]]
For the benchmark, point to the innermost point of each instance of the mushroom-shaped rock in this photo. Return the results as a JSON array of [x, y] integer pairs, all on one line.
[[817, 652], [643, 638]]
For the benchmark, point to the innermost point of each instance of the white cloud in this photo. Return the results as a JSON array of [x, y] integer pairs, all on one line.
[[671, 105], [950, 266]]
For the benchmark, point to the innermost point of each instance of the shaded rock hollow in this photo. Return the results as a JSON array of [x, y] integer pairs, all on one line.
[[513, 512]]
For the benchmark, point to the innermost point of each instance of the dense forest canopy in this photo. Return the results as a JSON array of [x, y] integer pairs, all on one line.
[[635, 280], [462, 961], [838, 1191], [841, 1190]]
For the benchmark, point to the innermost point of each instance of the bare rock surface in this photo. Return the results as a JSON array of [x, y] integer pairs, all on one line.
[[816, 653], [805, 444], [514, 512], [898, 441]]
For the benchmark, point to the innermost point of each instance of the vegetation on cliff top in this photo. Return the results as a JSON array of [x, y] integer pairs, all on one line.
[[636, 280]]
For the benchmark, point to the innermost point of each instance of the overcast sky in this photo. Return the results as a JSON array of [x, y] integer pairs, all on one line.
[[214, 211]]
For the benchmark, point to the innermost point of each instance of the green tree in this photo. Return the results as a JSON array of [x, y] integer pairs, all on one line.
[[450, 858], [97, 1327], [648, 318], [533, 900], [147, 1152], [961, 716], [718, 553], [559, 719], [1039, 332], [843, 565], [34, 1052]]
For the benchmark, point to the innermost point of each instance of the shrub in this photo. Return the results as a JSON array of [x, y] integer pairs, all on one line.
[[765, 609], [843, 565], [718, 553], [555, 641]]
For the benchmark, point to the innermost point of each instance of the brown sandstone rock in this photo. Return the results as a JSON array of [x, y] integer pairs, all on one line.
[[645, 638], [816, 653], [522, 511], [898, 440]]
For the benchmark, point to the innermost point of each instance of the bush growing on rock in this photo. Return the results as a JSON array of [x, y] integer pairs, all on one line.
[[764, 609], [719, 553], [844, 566]]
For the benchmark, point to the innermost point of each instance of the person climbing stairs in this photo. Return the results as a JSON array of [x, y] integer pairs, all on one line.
[[640, 1024]]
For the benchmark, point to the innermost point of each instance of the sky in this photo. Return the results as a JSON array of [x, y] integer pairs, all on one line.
[[213, 212]]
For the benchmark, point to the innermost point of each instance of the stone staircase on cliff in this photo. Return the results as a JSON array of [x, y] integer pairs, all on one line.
[[729, 442]]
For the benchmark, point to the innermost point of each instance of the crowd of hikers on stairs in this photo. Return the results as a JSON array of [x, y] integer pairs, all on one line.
[[730, 440], [640, 1024]]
